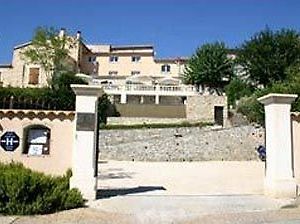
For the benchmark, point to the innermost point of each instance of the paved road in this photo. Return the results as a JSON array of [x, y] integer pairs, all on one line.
[[177, 209], [98, 216]]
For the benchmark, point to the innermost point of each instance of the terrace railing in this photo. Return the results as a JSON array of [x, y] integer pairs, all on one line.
[[140, 87]]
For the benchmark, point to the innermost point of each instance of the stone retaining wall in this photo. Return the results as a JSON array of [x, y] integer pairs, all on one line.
[[151, 110], [181, 144]]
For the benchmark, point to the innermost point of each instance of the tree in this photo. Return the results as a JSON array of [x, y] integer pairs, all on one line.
[[62, 91], [267, 55], [50, 50], [209, 66]]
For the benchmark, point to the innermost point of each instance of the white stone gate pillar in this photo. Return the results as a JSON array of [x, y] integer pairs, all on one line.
[[84, 165], [279, 179]]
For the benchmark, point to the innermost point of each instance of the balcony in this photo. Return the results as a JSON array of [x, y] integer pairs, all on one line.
[[148, 90]]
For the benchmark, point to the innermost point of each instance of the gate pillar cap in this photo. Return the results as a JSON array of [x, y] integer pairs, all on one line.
[[277, 98], [87, 90]]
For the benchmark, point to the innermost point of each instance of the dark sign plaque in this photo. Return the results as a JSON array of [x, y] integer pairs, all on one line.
[[10, 141], [85, 122]]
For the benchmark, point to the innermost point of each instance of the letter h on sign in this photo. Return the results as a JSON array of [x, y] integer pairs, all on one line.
[[9, 141]]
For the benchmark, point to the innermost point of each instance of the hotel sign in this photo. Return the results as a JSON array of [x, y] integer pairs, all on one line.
[[10, 141]]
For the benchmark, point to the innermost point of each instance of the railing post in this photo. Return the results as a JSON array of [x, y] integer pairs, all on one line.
[[142, 100], [157, 90], [11, 102], [279, 179], [124, 95]]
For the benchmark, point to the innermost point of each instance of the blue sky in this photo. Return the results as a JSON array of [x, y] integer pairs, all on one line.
[[176, 28]]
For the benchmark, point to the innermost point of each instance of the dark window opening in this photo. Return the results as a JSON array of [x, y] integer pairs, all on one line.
[[165, 68]]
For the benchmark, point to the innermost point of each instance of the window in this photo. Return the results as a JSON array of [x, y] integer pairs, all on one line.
[[34, 74], [165, 68], [113, 59], [135, 58], [37, 140], [135, 73], [92, 59], [111, 73]]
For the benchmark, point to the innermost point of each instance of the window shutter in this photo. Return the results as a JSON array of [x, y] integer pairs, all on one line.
[[34, 76]]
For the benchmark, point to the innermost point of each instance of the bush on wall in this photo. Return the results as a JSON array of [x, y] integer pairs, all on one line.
[[25, 192], [60, 97], [106, 109], [254, 111], [237, 89]]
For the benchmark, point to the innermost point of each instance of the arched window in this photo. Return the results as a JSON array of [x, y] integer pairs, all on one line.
[[165, 68], [36, 140]]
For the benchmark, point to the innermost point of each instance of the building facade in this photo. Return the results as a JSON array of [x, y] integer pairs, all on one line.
[[129, 74], [103, 64]]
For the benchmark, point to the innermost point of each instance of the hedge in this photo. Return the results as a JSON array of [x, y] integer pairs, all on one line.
[[59, 97]]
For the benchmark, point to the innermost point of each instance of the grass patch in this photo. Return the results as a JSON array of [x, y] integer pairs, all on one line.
[[159, 125]]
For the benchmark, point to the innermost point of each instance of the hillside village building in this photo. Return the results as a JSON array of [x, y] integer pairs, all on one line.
[[105, 63], [129, 74]]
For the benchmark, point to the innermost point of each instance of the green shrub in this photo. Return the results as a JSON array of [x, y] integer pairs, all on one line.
[[26, 192], [237, 89], [105, 109], [254, 111], [291, 85]]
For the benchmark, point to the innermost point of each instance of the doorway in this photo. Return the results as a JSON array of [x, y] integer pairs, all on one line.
[[218, 115]]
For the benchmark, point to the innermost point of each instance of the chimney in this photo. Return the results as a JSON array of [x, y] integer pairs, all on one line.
[[62, 32], [78, 35]]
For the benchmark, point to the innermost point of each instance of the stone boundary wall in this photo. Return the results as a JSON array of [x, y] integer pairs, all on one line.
[[181, 144]]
